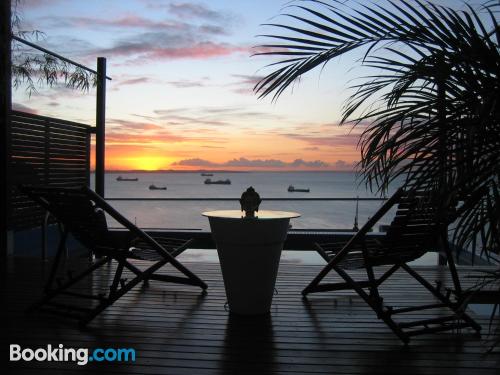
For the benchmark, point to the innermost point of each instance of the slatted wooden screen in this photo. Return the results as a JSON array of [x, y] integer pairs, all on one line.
[[44, 151]]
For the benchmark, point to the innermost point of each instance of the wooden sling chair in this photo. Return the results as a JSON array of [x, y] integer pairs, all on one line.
[[81, 212], [415, 230]]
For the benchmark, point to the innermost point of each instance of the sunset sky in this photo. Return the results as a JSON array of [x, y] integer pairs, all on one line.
[[181, 91]]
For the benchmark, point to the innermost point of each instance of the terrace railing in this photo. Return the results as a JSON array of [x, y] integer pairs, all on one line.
[[298, 238]]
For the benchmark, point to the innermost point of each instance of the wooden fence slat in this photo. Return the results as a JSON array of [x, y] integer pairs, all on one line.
[[32, 118], [39, 136], [56, 152], [34, 128]]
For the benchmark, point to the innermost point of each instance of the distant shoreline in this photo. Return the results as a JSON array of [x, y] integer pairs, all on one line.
[[220, 171]]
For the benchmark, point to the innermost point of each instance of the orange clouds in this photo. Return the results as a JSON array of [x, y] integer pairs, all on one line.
[[187, 145]]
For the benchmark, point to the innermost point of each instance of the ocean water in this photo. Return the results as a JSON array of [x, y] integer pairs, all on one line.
[[321, 215], [267, 184], [187, 214]]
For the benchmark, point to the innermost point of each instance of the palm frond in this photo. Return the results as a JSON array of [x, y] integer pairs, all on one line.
[[431, 97]]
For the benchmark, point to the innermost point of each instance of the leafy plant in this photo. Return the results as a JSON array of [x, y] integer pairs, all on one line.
[[33, 69], [430, 96]]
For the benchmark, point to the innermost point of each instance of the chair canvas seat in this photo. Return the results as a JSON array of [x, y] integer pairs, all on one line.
[[82, 213], [372, 250]]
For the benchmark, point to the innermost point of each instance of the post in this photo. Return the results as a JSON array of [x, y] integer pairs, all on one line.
[[5, 109], [100, 143], [441, 76]]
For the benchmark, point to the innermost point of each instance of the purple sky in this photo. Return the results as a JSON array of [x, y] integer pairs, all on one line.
[[181, 95]]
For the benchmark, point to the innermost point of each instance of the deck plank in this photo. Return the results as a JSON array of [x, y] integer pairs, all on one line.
[[176, 330]]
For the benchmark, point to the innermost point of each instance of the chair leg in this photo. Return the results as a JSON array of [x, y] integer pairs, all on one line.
[[322, 252], [387, 274], [371, 278], [454, 307], [315, 282], [329, 287], [170, 258], [61, 289], [166, 278], [60, 249], [146, 275], [118, 293], [451, 265], [116, 278], [376, 306]]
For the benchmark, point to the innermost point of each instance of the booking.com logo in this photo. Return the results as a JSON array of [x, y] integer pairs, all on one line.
[[81, 356]]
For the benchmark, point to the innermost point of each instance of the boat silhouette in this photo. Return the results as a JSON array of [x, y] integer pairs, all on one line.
[[292, 189], [154, 187], [120, 178], [209, 181]]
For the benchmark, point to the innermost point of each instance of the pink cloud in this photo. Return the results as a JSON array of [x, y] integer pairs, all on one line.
[[200, 50], [350, 139], [245, 83], [141, 138], [137, 22], [148, 52], [342, 165], [191, 10], [149, 134], [254, 163], [131, 21], [183, 84], [134, 126], [134, 81]]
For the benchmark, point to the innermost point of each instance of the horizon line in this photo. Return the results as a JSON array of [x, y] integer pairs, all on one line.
[[220, 170]]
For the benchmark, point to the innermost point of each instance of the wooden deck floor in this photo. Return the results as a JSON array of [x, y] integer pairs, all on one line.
[[176, 330]]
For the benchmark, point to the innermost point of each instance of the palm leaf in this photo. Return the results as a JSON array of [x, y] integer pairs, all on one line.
[[433, 103]]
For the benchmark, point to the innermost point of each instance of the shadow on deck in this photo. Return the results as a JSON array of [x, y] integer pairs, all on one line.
[[176, 330]]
